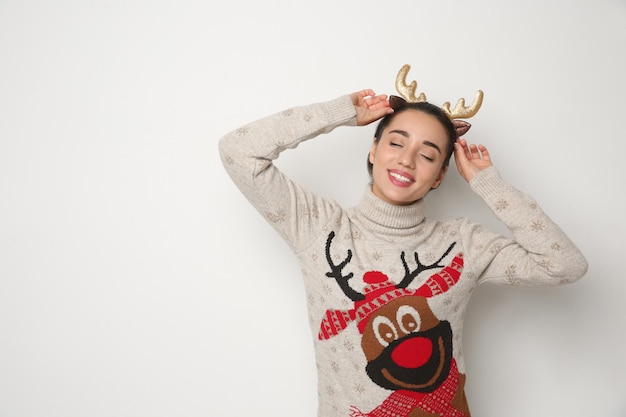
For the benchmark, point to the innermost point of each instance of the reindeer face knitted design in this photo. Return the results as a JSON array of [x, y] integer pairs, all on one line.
[[406, 346]]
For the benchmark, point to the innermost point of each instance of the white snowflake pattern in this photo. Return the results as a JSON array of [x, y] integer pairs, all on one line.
[[546, 264], [501, 205], [327, 289], [242, 131], [430, 257], [277, 217], [510, 271], [537, 226], [314, 212], [495, 248], [354, 235], [359, 388], [348, 345]]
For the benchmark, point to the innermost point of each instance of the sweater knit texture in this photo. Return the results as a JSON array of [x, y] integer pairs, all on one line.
[[387, 288]]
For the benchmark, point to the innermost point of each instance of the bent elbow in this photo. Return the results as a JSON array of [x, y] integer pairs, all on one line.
[[572, 272], [224, 147], [581, 270]]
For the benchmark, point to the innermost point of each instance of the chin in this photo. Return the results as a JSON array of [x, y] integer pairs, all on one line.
[[401, 202], [398, 197]]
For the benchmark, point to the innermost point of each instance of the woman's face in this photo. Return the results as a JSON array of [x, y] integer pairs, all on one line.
[[408, 158]]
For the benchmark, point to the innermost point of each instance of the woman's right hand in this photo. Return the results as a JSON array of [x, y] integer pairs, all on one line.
[[369, 106]]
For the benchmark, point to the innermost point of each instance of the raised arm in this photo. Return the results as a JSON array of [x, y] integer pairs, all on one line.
[[540, 252], [249, 151]]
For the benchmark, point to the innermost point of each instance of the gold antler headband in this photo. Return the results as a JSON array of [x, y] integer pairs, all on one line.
[[460, 111]]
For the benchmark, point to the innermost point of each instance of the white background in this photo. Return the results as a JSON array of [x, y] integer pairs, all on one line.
[[136, 281]]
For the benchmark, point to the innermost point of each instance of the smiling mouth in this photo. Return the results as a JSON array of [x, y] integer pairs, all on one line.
[[401, 178]]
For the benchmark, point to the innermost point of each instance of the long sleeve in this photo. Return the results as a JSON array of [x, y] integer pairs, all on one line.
[[248, 154], [540, 253]]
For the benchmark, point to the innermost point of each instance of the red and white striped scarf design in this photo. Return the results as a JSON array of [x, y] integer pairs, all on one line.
[[401, 403]]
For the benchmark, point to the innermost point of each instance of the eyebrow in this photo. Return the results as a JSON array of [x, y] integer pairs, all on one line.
[[426, 142]]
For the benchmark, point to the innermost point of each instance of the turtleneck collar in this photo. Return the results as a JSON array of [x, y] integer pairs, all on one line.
[[388, 218]]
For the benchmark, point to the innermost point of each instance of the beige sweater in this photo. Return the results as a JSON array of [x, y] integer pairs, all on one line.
[[387, 288]]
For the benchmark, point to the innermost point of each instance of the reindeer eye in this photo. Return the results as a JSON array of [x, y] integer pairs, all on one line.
[[384, 330], [409, 319]]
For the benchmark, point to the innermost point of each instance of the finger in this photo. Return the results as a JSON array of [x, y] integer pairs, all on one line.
[[359, 97], [461, 154], [367, 93], [484, 152], [381, 98], [474, 151], [379, 105], [465, 148]]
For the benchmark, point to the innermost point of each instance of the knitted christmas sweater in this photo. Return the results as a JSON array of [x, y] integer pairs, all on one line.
[[387, 288]]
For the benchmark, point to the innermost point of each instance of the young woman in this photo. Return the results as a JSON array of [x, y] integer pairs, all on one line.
[[386, 287]]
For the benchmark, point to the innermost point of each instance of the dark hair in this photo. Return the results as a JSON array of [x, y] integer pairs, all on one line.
[[424, 107]]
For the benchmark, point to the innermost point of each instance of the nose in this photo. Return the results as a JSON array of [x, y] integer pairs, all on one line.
[[413, 353], [406, 159]]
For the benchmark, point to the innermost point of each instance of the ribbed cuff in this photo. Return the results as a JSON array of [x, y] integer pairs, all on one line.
[[340, 111], [488, 183]]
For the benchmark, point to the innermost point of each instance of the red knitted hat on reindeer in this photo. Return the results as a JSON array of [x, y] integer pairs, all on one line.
[[380, 291]]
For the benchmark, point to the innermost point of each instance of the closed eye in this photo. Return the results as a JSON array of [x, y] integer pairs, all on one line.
[[394, 144], [428, 158]]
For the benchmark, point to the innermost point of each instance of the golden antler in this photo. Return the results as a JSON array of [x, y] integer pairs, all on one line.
[[407, 91], [460, 111]]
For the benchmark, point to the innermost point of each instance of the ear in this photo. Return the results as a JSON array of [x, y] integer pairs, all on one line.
[[373, 151], [461, 127], [396, 102], [442, 174]]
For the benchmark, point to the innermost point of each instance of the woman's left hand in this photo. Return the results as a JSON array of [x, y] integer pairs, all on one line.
[[470, 159]]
